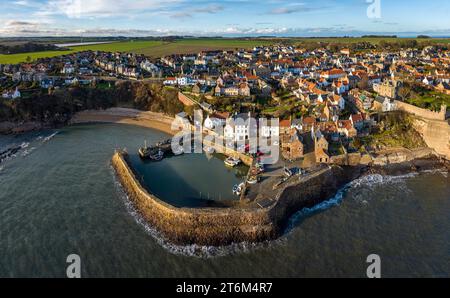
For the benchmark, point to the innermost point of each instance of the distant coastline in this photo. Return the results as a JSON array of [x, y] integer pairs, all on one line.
[[76, 44]]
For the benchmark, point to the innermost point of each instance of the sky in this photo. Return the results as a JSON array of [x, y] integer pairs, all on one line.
[[223, 18]]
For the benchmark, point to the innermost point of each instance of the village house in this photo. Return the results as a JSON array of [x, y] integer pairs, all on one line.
[[357, 121], [291, 145], [214, 121], [240, 128], [68, 69], [285, 126], [320, 147], [388, 88], [11, 94], [308, 123], [333, 74], [345, 128]]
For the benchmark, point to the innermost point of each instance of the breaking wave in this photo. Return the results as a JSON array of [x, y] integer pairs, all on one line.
[[362, 188], [23, 150], [46, 139]]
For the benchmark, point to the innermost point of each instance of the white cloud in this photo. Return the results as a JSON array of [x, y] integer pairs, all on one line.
[[101, 8]]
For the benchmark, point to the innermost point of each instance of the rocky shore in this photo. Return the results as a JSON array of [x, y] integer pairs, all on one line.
[[8, 127]]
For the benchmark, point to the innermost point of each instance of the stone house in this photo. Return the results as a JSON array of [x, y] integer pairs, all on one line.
[[291, 145]]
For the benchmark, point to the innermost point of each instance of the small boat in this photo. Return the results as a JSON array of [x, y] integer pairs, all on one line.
[[238, 189], [158, 156], [232, 162], [253, 180], [288, 173], [152, 153]]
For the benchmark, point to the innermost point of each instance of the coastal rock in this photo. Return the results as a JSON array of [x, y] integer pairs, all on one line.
[[17, 128]]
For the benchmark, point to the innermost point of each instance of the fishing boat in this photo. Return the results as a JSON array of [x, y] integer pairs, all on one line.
[[152, 153], [232, 162], [158, 156], [253, 179], [288, 173], [238, 189]]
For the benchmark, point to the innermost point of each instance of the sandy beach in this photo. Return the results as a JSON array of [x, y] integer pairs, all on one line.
[[152, 120]]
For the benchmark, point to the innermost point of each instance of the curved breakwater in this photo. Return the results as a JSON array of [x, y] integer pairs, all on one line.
[[224, 226]]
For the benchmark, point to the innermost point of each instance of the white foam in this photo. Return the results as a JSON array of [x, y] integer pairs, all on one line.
[[46, 139], [28, 151], [369, 183]]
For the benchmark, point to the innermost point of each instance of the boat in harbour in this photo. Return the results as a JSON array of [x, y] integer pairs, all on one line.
[[152, 153], [238, 189], [288, 173], [232, 162], [253, 179]]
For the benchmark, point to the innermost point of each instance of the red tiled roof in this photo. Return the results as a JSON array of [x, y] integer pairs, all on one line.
[[285, 123]]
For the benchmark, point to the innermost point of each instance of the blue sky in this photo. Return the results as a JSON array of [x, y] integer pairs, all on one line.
[[225, 17]]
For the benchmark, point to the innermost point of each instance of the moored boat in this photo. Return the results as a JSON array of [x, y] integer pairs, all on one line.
[[238, 189], [232, 162], [152, 153], [253, 179]]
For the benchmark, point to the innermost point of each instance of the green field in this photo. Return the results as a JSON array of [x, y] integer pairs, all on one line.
[[373, 40], [149, 48], [188, 46], [129, 46]]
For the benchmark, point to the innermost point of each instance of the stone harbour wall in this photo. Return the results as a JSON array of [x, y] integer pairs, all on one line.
[[224, 226], [209, 226], [436, 135]]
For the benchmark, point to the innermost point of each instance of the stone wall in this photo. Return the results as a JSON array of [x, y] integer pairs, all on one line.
[[223, 226], [209, 226], [422, 112], [185, 100], [436, 135], [246, 159]]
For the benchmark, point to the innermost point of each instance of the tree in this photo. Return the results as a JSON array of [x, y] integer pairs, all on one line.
[[404, 92], [364, 83]]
